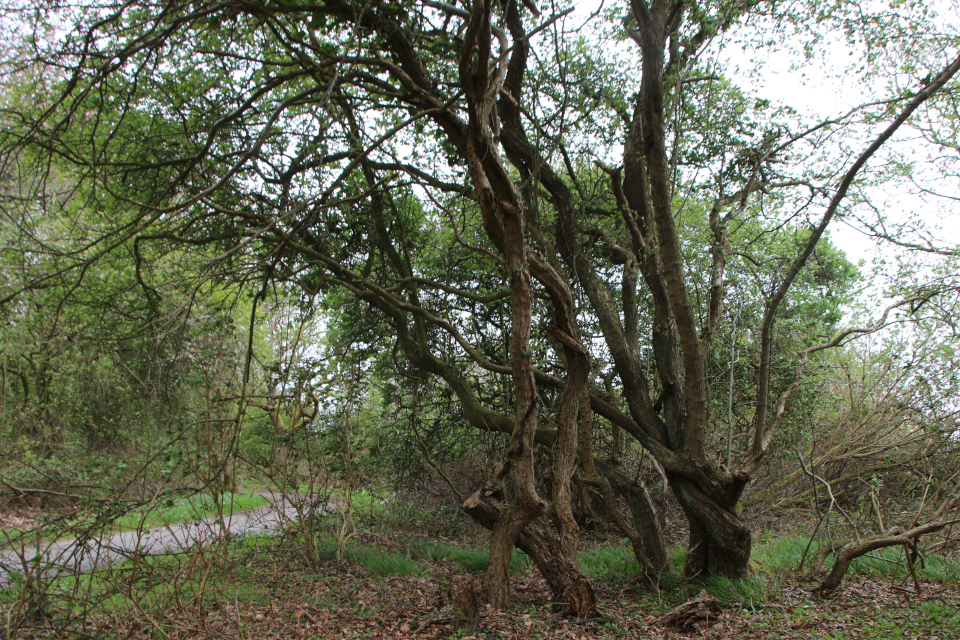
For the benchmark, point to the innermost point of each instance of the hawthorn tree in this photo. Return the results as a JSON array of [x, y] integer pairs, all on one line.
[[542, 216]]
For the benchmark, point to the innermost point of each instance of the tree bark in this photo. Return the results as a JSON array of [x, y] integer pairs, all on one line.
[[645, 534], [566, 582], [504, 223], [849, 552], [719, 543]]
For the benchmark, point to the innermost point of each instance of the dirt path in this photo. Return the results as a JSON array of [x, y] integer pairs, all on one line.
[[78, 555]]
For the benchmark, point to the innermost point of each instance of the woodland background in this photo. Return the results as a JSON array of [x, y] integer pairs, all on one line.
[[533, 314]]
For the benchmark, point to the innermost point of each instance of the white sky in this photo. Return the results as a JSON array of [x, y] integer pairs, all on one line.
[[821, 90], [816, 94], [823, 96]]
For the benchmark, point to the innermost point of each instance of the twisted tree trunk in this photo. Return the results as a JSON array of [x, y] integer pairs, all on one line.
[[566, 582], [720, 542]]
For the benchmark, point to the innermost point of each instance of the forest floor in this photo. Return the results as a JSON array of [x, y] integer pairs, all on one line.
[[348, 603], [393, 582]]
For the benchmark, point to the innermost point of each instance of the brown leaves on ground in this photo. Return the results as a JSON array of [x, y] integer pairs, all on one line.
[[16, 521], [270, 594], [343, 601]]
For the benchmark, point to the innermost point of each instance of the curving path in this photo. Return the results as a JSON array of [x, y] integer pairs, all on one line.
[[76, 555]]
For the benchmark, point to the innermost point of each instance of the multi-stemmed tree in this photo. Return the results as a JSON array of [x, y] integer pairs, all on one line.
[[545, 220]]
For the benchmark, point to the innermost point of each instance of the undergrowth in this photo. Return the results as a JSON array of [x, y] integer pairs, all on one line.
[[470, 560], [251, 572]]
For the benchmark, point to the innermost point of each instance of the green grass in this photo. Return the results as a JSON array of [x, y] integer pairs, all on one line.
[[773, 556], [360, 499], [155, 580], [746, 592], [892, 563], [195, 507], [883, 563], [940, 569], [613, 563], [617, 563], [471, 560], [676, 556], [381, 563], [376, 561], [604, 563], [924, 617]]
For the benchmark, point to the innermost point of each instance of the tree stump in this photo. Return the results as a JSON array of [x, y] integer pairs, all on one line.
[[467, 598], [583, 602], [700, 609]]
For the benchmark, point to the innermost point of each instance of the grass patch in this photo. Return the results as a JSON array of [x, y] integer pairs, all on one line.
[[381, 563], [891, 562], [376, 561], [778, 554], [940, 569], [747, 592], [471, 560], [152, 582], [883, 563], [677, 556], [608, 562], [195, 507], [255, 572], [926, 616], [360, 499], [775, 555]]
